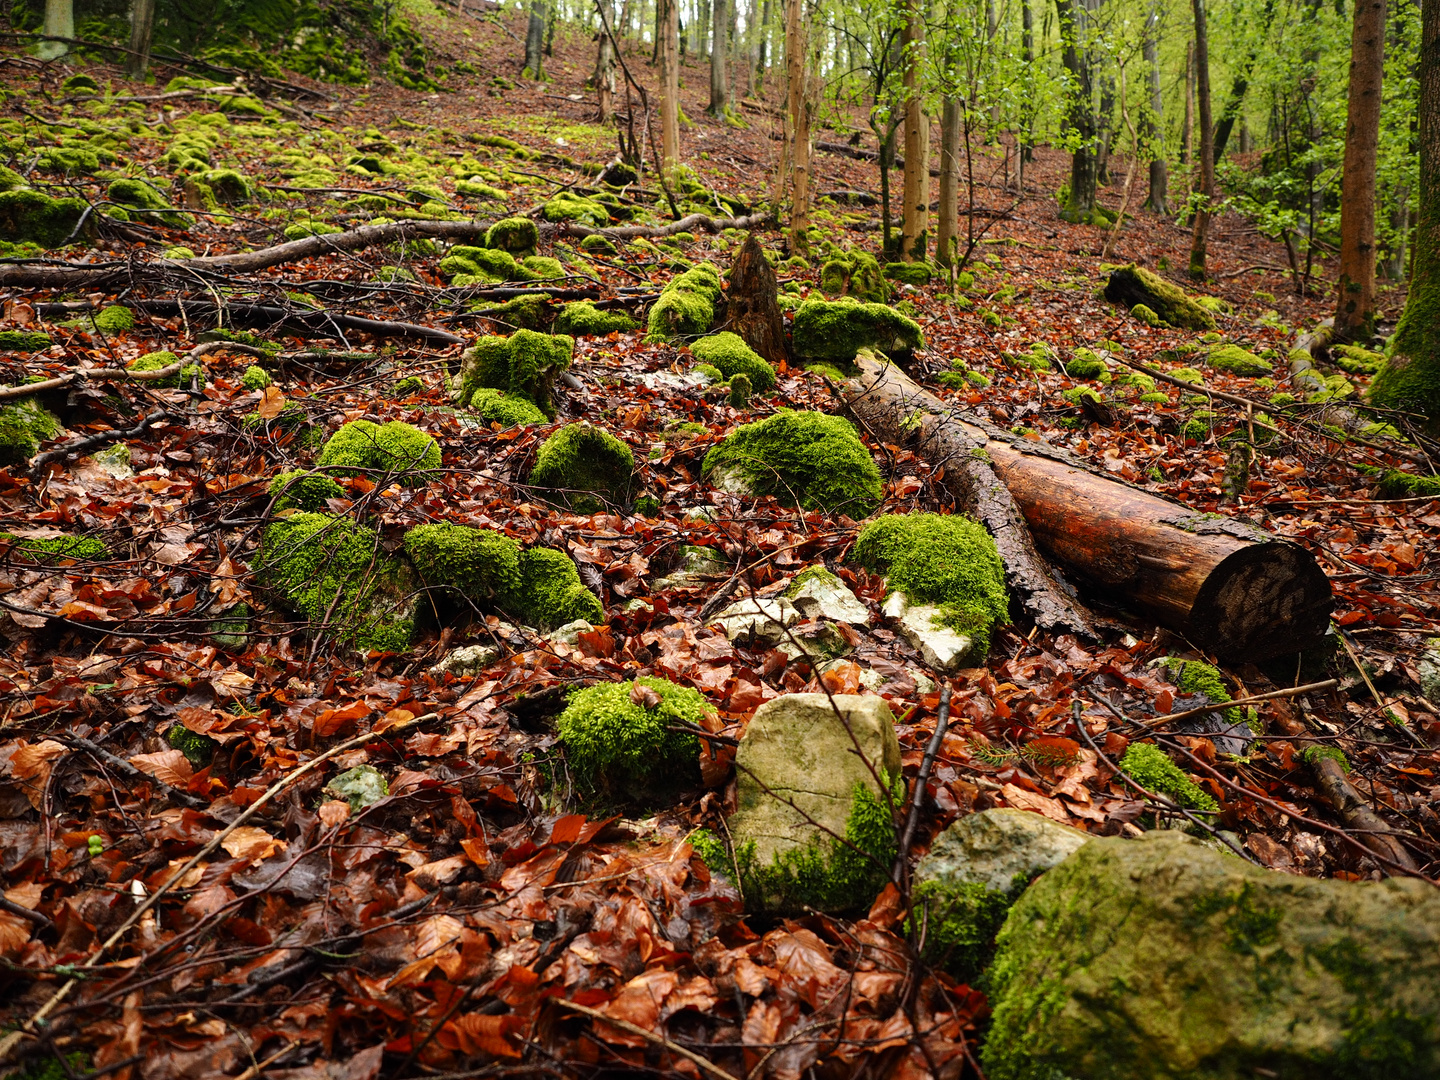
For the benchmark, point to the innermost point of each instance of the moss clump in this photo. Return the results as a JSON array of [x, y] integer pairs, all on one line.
[[551, 592], [1395, 484], [533, 312], [732, 356], [805, 459], [1355, 360], [567, 206], [517, 235], [1155, 772], [23, 341], [30, 215], [255, 378], [24, 425], [740, 391], [1187, 374], [198, 749], [1237, 361], [49, 550], [139, 198], [825, 874], [1131, 285], [837, 330], [687, 304], [1195, 677], [301, 230], [469, 265], [1147, 316], [524, 364], [1085, 368], [1313, 755], [855, 274], [596, 244], [618, 749], [408, 386], [541, 268], [583, 319], [961, 922], [395, 450], [116, 319], [300, 490], [334, 571], [943, 560], [585, 468], [507, 410], [909, 273]]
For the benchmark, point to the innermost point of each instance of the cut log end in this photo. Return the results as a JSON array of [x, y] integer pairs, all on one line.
[[1262, 601]]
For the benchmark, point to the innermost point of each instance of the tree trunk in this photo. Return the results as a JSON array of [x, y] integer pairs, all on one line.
[[1240, 85], [946, 232], [1107, 130], [752, 304], [1154, 127], [142, 32], [535, 41], [799, 117], [605, 75], [669, 16], [1355, 303], [1074, 25], [915, 208], [1411, 376], [1027, 43], [702, 27], [1207, 144], [720, 61], [1187, 130], [762, 49], [1226, 587], [59, 22]]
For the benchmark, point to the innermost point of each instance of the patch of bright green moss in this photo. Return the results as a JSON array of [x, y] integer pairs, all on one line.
[[1085, 368], [1149, 767], [523, 365], [393, 450], [116, 319], [140, 198], [517, 235], [686, 306], [909, 273], [568, 206], [507, 410], [838, 330], [255, 378], [619, 750], [532, 312], [583, 319], [732, 356], [49, 550], [856, 274], [23, 341], [1237, 361], [1132, 285], [303, 490], [198, 749], [24, 425], [585, 468], [1357, 361]]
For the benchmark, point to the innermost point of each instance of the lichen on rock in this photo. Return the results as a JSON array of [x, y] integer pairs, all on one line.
[[391, 451], [806, 459], [837, 330], [585, 468]]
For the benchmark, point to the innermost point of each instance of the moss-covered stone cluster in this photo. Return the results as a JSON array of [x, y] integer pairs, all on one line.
[[728, 353], [395, 450], [584, 468], [581, 318], [523, 365], [686, 307], [24, 425], [855, 274], [806, 459], [943, 560], [835, 331]]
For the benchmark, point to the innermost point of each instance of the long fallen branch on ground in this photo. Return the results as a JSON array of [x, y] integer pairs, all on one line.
[[9, 393]]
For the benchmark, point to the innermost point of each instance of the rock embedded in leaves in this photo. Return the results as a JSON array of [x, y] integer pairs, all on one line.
[[525, 364], [818, 594], [517, 235], [729, 353], [24, 425], [582, 318], [467, 661], [1238, 361], [836, 330], [797, 750], [807, 459], [686, 307], [361, 786], [855, 274], [941, 646], [585, 468], [1161, 957], [391, 451], [1133, 285], [757, 622]]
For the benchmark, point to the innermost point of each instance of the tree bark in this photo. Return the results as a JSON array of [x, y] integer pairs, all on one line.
[[1355, 303], [669, 16], [604, 74], [1154, 127], [799, 120], [752, 304], [1226, 587], [1239, 86], [1074, 25], [59, 22], [1187, 129], [720, 61], [915, 206], [1207, 144], [142, 32], [535, 41], [946, 230]]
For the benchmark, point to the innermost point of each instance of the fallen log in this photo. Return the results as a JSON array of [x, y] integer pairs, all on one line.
[[1227, 587]]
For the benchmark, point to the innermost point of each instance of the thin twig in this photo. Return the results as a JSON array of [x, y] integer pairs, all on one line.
[[1291, 691], [659, 1040]]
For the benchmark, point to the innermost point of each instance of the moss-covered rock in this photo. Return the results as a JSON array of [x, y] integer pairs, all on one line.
[[255, 378], [909, 273], [1133, 285], [140, 199], [470, 265], [156, 361], [940, 560], [686, 306], [806, 459], [335, 572], [836, 331], [301, 490], [583, 319], [1355, 360], [1083, 367], [855, 274], [392, 451], [1197, 677], [198, 749], [596, 244], [1395, 484], [507, 410], [551, 593], [618, 740], [532, 312], [24, 425], [49, 550], [1237, 361], [517, 235], [740, 391], [1149, 767], [116, 319], [568, 206], [585, 468], [1162, 958], [30, 215], [26, 341], [800, 784], [524, 364], [732, 356]]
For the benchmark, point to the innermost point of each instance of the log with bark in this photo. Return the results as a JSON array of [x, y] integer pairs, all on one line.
[[1228, 588]]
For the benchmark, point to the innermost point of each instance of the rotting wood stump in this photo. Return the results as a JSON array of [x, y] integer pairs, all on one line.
[[1228, 588], [752, 304]]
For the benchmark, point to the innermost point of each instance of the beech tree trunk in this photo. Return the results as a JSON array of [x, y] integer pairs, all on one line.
[[535, 41], [1355, 304], [1207, 144], [669, 16], [1226, 587], [798, 163], [1154, 126], [720, 61], [752, 304], [142, 32], [1074, 26], [915, 207], [59, 22], [1187, 129], [946, 225]]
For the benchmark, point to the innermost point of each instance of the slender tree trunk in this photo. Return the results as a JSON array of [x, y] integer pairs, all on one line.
[[1411, 377], [1240, 85], [915, 210], [535, 41], [605, 74], [702, 27], [669, 86], [946, 231], [1154, 127], [751, 56], [1187, 130], [1074, 25], [142, 33], [720, 60], [1107, 130], [799, 117], [1027, 44], [1355, 305], [1207, 144], [59, 22]]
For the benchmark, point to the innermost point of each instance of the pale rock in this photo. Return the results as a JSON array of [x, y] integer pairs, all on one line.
[[467, 660], [569, 634], [818, 641], [697, 566], [942, 648], [994, 847], [758, 623], [826, 597]]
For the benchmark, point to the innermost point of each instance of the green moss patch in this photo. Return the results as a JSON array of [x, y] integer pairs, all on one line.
[[142, 200], [24, 425], [805, 459], [1395, 484], [585, 468], [517, 235], [507, 410], [855, 274], [732, 356], [1149, 767], [836, 331], [1196, 677], [909, 273], [1237, 361], [383, 451], [533, 312], [686, 306], [49, 550], [255, 378], [23, 341], [583, 319], [300, 490], [524, 364], [1133, 285], [567, 206]]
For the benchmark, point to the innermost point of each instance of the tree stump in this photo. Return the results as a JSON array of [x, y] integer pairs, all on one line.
[[753, 305]]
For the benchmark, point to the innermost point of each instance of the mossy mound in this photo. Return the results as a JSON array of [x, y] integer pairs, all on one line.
[[396, 450], [1196, 677], [300, 490], [595, 244], [618, 740], [335, 572], [1355, 360], [1149, 767], [498, 407], [26, 341], [732, 356], [855, 274], [142, 200], [517, 235], [116, 319], [469, 265], [686, 306], [24, 425], [1082, 367], [49, 550], [567, 206], [837, 330], [943, 560], [583, 319], [524, 365], [806, 459], [585, 468], [909, 273], [255, 378], [157, 361], [541, 268], [1395, 484], [533, 312], [30, 215], [1238, 361], [1133, 285]]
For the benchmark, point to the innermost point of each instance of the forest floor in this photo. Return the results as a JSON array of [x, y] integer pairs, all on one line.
[[442, 930]]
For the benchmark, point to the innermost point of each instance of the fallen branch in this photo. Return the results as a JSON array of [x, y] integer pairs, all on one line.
[[9, 393], [917, 798], [134, 775], [685, 224], [645, 1033], [1293, 691]]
